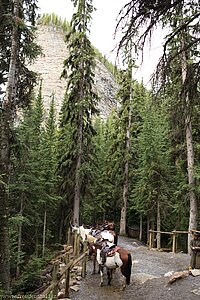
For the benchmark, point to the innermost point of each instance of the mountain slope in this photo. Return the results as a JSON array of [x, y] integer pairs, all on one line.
[[50, 66]]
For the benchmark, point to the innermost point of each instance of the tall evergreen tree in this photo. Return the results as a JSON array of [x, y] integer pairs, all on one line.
[[16, 45], [79, 107], [150, 195], [145, 15], [126, 97], [49, 178]]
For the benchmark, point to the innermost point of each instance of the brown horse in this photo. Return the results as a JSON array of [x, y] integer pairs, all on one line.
[[112, 257]]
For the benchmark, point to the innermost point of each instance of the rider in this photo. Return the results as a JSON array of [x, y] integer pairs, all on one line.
[[195, 247]]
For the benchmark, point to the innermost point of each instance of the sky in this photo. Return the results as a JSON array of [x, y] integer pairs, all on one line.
[[102, 32]]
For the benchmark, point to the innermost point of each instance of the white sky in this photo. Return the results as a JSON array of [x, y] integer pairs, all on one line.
[[102, 31]]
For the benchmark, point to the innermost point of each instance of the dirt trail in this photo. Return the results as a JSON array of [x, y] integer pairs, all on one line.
[[147, 280]]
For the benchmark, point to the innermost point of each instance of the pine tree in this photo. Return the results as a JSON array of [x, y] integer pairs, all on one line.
[[78, 108], [27, 184], [16, 48], [49, 177], [126, 94], [180, 54]]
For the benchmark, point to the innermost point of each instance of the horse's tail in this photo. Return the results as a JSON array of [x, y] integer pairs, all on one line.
[[116, 238], [128, 269]]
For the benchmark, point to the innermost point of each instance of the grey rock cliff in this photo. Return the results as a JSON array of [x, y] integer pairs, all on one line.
[[50, 67]]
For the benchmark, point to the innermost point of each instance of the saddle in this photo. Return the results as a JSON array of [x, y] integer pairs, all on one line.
[[113, 251], [107, 251]]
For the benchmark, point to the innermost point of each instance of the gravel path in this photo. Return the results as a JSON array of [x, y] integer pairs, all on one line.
[[147, 280]]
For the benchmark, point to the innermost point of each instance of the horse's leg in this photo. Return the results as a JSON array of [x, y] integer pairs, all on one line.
[[124, 278], [94, 263], [101, 274], [109, 274], [99, 269], [124, 283]]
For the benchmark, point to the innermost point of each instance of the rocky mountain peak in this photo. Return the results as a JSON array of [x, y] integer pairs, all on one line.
[[50, 66]]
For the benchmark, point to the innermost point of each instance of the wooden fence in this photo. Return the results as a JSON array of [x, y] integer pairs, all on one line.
[[64, 273], [172, 233]]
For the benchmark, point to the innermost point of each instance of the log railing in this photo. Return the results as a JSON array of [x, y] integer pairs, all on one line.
[[64, 273], [172, 233]]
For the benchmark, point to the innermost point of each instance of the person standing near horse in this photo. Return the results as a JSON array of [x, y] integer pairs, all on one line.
[[195, 250]]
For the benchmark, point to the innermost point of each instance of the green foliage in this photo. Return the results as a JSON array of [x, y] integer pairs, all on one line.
[[28, 50], [34, 185], [30, 279], [79, 107], [44, 158], [154, 170], [53, 19], [110, 66]]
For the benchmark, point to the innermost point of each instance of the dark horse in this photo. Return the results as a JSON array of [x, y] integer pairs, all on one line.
[[112, 257]]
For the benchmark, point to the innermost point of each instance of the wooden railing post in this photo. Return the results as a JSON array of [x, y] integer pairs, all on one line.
[[174, 242], [67, 277], [69, 236], [150, 238], [54, 279], [84, 263], [75, 242], [78, 245]]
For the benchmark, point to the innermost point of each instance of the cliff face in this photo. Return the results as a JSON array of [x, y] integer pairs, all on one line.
[[50, 67]]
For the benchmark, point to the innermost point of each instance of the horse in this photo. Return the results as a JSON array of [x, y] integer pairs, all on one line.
[[92, 235], [82, 231], [100, 236], [110, 226], [113, 257]]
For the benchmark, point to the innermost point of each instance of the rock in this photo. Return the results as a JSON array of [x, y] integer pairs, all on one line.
[[50, 67], [195, 272], [168, 274], [78, 278], [141, 278], [135, 262], [74, 288], [72, 282], [196, 291], [178, 275], [61, 294]]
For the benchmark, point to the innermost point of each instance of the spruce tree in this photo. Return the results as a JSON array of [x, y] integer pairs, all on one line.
[[150, 195], [180, 53], [126, 94], [16, 48], [78, 108]]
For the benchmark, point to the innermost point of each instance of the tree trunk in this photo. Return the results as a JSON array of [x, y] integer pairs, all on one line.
[[104, 215], [60, 234], [152, 227], [44, 230], [19, 244], [125, 188], [77, 193], [190, 152], [158, 224], [6, 126], [140, 234], [191, 180], [36, 241], [148, 228], [126, 166]]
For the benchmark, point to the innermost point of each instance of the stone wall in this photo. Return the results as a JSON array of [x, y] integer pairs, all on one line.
[[50, 66]]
